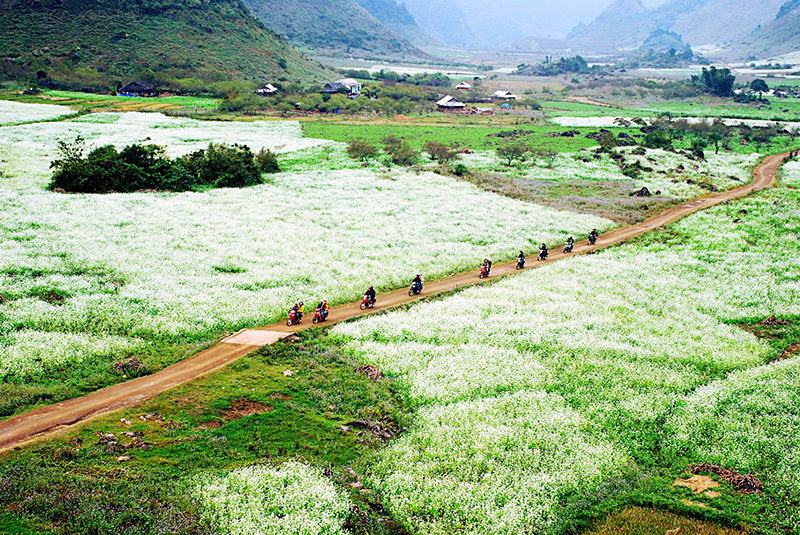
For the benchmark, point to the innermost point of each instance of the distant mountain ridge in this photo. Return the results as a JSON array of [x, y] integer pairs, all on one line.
[[333, 26], [627, 23], [97, 43], [398, 18], [779, 36]]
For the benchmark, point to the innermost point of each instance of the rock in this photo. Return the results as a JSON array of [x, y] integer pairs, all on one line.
[[345, 429], [123, 458], [357, 485], [288, 373], [124, 421], [644, 192]]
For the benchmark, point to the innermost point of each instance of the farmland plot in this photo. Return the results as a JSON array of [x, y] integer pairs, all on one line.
[[542, 393], [18, 112], [88, 277]]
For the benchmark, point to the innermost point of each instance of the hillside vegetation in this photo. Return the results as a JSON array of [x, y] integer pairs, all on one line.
[[779, 36], [93, 44], [332, 25]]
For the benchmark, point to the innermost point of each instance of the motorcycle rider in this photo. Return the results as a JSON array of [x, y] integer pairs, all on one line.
[[301, 309], [370, 295], [417, 283], [297, 313], [521, 259], [544, 252], [323, 309], [488, 265], [570, 245], [593, 235]]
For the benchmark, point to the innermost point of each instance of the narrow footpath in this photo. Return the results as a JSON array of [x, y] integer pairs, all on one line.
[[45, 421]]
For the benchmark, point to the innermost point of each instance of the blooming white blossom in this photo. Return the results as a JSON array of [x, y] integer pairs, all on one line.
[[291, 499], [20, 112]]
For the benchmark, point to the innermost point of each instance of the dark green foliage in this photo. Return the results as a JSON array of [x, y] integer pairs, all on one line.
[[223, 166], [267, 161], [404, 154], [658, 138], [358, 149], [146, 167], [511, 152], [571, 65], [460, 170], [759, 86], [715, 81]]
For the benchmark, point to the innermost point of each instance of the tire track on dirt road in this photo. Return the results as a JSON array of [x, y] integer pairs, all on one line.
[[45, 421]]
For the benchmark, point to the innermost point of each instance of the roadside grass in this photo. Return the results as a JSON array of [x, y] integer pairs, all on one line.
[[98, 102], [250, 412], [647, 521]]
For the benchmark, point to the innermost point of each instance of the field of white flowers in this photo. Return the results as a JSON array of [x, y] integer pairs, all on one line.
[[536, 394], [88, 275], [19, 112], [291, 499], [674, 175]]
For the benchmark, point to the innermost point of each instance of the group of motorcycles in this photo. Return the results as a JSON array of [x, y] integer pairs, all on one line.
[[295, 317]]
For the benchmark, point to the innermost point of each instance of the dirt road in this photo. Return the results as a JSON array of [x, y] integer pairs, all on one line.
[[47, 420]]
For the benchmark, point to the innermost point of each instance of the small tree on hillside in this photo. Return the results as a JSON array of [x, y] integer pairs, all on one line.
[[405, 155], [391, 144], [440, 152], [512, 152], [547, 156], [759, 86], [358, 149]]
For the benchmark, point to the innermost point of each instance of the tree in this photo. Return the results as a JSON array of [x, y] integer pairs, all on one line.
[[440, 152], [391, 144], [607, 142], [759, 86], [715, 81], [547, 156], [405, 154], [512, 152], [359, 149]]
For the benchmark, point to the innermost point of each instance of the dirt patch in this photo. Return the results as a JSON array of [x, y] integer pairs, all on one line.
[[790, 351], [646, 521], [690, 503], [385, 429], [744, 483], [772, 321], [132, 367], [372, 372], [241, 408], [698, 484], [279, 396]]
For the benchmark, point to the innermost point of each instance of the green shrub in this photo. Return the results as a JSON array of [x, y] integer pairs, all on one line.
[[146, 167]]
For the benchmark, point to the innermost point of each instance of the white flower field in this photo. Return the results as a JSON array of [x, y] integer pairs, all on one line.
[[140, 267], [19, 112], [291, 499], [536, 393]]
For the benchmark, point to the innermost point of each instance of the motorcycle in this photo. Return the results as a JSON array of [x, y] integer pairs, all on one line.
[[367, 303], [592, 239], [520, 263], [294, 318], [543, 255], [569, 248], [415, 289], [484, 272], [319, 316]]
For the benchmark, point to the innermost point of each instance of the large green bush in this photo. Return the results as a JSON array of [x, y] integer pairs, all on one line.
[[146, 167]]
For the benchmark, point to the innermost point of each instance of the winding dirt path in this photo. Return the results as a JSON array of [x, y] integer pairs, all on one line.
[[45, 421]]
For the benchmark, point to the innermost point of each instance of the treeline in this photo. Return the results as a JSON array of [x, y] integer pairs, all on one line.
[[436, 79], [147, 167], [570, 65]]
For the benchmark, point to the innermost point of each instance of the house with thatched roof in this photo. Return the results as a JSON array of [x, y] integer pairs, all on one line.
[[450, 104], [504, 95], [137, 89], [347, 86], [464, 87]]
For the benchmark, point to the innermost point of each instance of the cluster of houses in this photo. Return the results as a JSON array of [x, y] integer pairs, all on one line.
[[450, 104]]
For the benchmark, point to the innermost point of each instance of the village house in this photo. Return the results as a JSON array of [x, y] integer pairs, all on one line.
[[348, 86], [266, 90], [504, 95], [137, 89], [464, 87], [450, 104]]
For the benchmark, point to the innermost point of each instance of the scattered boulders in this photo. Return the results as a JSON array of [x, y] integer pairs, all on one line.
[[372, 372], [744, 483]]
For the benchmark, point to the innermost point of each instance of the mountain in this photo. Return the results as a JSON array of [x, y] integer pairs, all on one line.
[[444, 21], [331, 26], [779, 36], [398, 18], [627, 23], [94, 43]]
